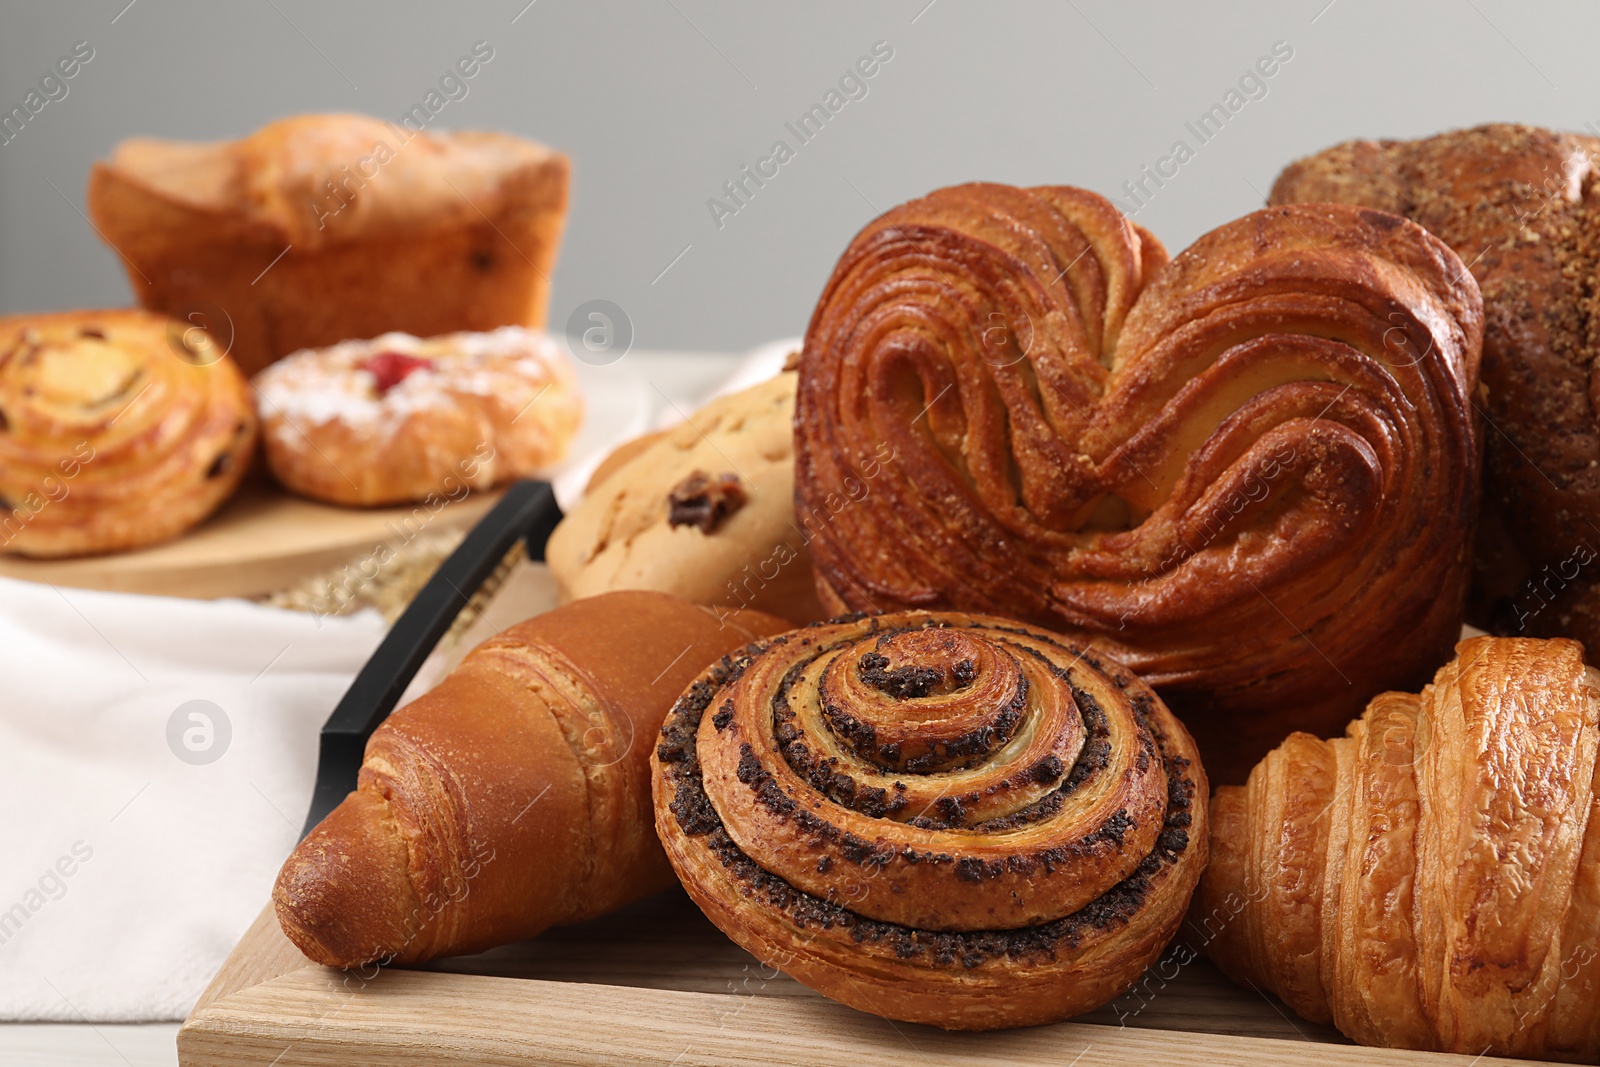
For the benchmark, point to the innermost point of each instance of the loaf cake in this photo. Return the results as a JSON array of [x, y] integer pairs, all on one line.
[[323, 228]]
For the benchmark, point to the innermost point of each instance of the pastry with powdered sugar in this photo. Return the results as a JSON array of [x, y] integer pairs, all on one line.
[[400, 418]]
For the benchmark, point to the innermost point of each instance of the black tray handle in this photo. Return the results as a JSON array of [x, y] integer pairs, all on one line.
[[527, 512]]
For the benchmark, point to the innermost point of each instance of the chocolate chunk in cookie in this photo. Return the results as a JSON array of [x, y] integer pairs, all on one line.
[[704, 501]]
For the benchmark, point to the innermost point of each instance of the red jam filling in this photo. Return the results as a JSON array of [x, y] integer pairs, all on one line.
[[391, 368]]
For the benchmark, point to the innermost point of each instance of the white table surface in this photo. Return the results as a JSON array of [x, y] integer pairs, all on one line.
[[77, 1045], [677, 379]]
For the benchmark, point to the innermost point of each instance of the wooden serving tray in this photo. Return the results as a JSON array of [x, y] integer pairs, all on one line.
[[657, 984]]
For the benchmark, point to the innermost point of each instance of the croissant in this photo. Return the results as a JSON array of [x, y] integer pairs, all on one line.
[[1431, 880], [935, 817], [1250, 474], [512, 797], [1520, 205], [118, 429]]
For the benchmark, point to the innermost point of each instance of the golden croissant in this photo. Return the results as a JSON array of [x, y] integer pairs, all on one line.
[[512, 797], [935, 817], [1431, 880], [1250, 474]]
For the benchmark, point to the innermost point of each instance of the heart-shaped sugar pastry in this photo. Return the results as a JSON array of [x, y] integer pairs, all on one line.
[[1249, 473]]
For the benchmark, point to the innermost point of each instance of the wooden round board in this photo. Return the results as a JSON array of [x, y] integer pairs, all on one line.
[[262, 540]]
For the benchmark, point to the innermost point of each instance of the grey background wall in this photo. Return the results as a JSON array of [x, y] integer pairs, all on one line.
[[659, 102]]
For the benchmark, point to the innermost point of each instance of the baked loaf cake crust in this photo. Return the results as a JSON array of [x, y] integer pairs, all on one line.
[[941, 818], [378, 229], [1250, 474], [109, 438], [1431, 880], [1520, 205], [637, 527], [399, 418]]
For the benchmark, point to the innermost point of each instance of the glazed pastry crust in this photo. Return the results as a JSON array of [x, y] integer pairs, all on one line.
[[378, 229], [935, 817], [109, 438], [513, 796], [620, 536], [484, 410], [1520, 205], [1431, 880], [1250, 474]]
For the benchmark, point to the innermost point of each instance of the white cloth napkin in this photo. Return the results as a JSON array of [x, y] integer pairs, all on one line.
[[157, 758], [129, 864]]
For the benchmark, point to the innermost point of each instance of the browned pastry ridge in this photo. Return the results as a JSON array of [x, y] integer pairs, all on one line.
[[318, 229], [1520, 205], [512, 797], [1431, 880], [935, 817], [1249, 474], [118, 429]]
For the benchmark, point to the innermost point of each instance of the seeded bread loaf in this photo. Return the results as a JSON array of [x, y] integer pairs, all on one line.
[[1521, 207]]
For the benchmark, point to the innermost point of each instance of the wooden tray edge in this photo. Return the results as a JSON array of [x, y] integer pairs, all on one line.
[[270, 1007], [262, 954]]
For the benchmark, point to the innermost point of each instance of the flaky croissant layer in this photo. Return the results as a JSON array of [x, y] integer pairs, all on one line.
[[1249, 473], [512, 797], [936, 817], [1431, 880]]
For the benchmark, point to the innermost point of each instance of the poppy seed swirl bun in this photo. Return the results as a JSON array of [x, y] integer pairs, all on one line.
[[939, 818]]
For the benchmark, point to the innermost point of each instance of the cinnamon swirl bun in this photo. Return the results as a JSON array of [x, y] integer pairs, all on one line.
[[118, 429], [935, 817], [1250, 473]]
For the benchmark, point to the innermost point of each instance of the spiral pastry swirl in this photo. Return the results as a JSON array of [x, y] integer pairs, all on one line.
[[1249, 474], [118, 429], [936, 817]]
